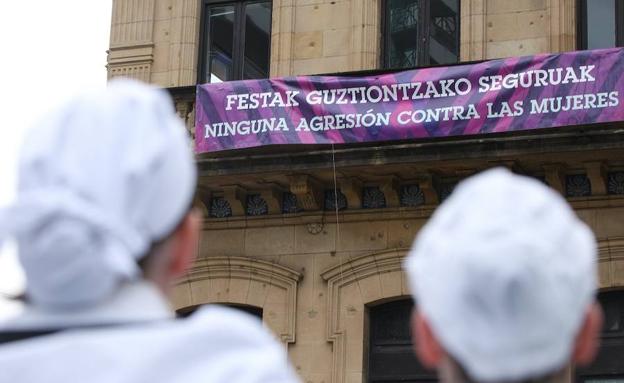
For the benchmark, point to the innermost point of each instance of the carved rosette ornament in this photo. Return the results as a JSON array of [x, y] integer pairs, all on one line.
[[373, 198], [220, 208], [256, 205], [412, 196], [290, 204], [331, 199], [577, 185], [315, 227], [615, 183]]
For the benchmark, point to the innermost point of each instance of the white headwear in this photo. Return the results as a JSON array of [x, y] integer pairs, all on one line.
[[99, 180], [504, 272]]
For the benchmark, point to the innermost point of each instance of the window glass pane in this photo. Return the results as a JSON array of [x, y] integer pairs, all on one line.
[[221, 41], [600, 27], [443, 31], [257, 40], [402, 34]]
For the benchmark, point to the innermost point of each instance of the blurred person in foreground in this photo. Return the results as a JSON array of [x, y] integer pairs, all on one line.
[[104, 224], [504, 279]]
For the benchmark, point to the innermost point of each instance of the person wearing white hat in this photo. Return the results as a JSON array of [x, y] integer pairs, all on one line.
[[504, 279], [104, 225]]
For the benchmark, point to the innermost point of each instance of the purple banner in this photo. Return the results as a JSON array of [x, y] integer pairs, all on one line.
[[520, 93]]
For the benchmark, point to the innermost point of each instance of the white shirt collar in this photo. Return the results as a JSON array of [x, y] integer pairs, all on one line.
[[134, 302]]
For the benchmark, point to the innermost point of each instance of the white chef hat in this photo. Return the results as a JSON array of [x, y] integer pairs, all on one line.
[[100, 179], [504, 273]]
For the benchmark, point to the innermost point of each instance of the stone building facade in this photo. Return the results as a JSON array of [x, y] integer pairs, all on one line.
[[314, 236]]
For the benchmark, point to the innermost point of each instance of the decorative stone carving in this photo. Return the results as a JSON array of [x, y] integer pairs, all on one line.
[[616, 183], [290, 204], [577, 185], [331, 199], [272, 195], [220, 208], [132, 44], [352, 190], [426, 184], [391, 188], [256, 205], [597, 175], [373, 198], [274, 289], [307, 190], [412, 196], [237, 198], [184, 109], [315, 227], [350, 287]]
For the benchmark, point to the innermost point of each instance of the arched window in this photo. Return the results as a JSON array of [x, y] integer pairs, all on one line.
[[390, 353], [609, 364]]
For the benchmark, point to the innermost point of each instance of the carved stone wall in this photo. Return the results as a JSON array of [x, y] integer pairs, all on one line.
[[247, 281], [495, 29], [350, 288], [131, 52]]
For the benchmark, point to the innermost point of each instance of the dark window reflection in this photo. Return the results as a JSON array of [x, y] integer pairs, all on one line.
[[443, 32], [257, 40], [403, 33], [237, 40], [221, 35], [419, 32], [602, 23]]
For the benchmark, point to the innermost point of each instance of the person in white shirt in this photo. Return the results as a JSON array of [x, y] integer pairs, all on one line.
[[104, 225], [504, 280]]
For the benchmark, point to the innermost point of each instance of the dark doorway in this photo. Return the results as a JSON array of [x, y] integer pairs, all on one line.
[[390, 355], [609, 364]]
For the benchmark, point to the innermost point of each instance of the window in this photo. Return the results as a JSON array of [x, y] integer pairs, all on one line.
[[420, 32], [390, 353], [608, 366], [251, 310], [236, 40], [601, 24]]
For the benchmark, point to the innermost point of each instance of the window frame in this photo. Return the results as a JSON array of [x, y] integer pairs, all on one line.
[[581, 25], [238, 41], [423, 28]]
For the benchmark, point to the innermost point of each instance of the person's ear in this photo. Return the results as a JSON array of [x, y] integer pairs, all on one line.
[[186, 243], [588, 337], [426, 345]]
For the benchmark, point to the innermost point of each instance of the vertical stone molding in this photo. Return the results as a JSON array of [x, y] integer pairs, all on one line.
[[597, 174], [427, 185], [184, 44], [365, 32], [391, 189], [273, 198], [352, 189], [350, 287], [131, 42], [473, 30], [562, 25], [236, 196], [245, 281], [282, 38]]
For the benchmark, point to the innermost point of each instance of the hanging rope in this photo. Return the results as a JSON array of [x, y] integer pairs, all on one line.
[[337, 230]]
